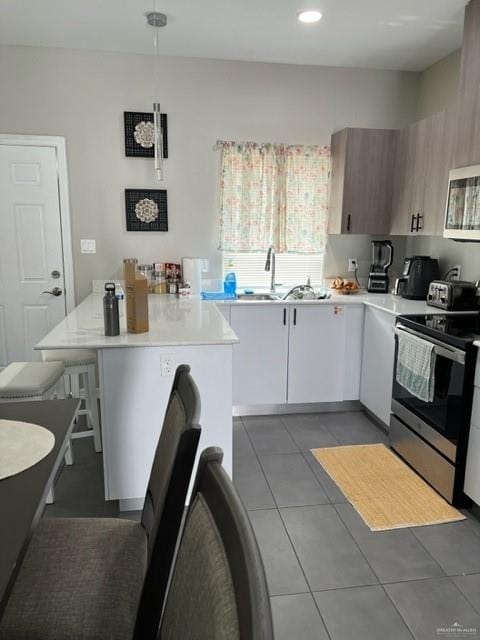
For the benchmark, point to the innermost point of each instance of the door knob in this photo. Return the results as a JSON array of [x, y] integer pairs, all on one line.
[[56, 291]]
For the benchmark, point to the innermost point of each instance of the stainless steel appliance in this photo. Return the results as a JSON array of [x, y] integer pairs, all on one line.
[[382, 258], [453, 295], [432, 437], [418, 272], [462, 215]]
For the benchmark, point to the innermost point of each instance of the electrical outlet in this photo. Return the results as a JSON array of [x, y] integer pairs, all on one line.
[[456, 272], [352, 264], [88, 246], [167, 366]]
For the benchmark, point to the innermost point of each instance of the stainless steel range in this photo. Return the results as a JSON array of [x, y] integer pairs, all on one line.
[[432, 436]]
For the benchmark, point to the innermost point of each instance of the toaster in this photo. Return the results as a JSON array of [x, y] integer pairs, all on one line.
[[453, 295]]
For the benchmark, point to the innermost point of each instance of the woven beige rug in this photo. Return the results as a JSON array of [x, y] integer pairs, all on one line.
[[383, 489]]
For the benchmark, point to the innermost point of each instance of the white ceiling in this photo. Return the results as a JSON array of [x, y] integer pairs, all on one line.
[[385, 34]]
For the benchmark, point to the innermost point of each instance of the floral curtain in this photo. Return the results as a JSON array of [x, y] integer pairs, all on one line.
[[273, 194]]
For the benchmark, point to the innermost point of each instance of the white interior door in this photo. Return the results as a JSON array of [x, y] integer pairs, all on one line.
[[31, 256]]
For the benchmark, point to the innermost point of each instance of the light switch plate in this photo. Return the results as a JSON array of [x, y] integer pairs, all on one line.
[[88, 246], [205, 265]]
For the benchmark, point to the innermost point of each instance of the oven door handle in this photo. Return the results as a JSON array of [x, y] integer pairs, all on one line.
[[443, 350]]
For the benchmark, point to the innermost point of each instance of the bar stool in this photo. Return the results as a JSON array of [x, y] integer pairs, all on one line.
[[24, 381], [28, 381], [81, 363]]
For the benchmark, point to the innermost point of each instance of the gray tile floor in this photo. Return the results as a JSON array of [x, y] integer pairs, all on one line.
[[329, 576]]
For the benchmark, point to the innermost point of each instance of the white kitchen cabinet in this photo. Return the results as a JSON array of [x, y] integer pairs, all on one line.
[[472, 470], [377, 363], [324, 353], [260, 358]]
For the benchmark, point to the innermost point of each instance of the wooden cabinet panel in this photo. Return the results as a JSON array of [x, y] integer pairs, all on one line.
[[469, 66], [467, 130], [423, 160], [403, 183], [438, 164], [467, 135], [338, 149], [421, 140], [362, 178]]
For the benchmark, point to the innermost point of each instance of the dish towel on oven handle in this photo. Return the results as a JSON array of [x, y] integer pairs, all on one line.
[[416, 366]]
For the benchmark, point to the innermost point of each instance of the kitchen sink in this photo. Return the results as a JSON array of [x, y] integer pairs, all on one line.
[[257, 296]]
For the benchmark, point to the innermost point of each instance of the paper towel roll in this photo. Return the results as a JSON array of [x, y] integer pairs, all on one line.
[[192, 273]]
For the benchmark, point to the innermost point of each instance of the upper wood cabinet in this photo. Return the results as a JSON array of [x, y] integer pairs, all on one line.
[[422, 163], [467, 126], [469, 66], [439, 161], [361, 180], [467, 130]]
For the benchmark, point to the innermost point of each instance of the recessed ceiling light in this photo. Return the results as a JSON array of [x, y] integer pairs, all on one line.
[[309, 16]]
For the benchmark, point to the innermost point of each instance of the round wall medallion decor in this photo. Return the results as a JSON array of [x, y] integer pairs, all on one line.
[[146, 210], [144, 134]]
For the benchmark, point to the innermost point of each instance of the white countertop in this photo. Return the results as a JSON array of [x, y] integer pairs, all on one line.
[[389, 303], [173, 322], [191, 321]]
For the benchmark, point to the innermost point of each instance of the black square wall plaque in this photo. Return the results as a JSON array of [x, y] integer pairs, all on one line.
[[139, 134], [146, 209]]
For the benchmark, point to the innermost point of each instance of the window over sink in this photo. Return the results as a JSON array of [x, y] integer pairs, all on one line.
[[273, 194], [291, 269]]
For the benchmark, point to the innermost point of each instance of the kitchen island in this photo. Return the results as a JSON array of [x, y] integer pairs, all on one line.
[[135, 377]]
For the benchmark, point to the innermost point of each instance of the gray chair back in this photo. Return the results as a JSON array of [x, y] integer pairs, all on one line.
[[218, 587], [166, 495]]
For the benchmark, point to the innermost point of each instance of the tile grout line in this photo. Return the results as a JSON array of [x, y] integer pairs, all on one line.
[[258, 458], [474, 607], [412, 530], [303, 571], [260, 465], [374, 573], [285, 528]]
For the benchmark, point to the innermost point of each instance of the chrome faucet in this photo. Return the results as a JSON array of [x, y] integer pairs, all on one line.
[[270, 266]]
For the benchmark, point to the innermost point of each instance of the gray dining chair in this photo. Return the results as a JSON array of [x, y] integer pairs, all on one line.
[[106, 578], [218, 588]]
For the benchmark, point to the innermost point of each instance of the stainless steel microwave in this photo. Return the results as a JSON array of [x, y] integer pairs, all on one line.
[[462, 216]]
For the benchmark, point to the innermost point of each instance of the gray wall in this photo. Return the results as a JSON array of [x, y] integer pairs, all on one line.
[[438, 85], [82, 95]]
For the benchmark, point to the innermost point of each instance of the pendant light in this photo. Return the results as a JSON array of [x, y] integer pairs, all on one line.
[[157, 20]]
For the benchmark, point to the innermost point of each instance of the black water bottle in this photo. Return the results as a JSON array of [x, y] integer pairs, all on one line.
[[111, 317]]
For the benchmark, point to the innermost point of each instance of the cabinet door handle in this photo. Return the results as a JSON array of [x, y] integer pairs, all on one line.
[[412, 224], [349, 223], [284, 317], [418, 227], [295, 317]]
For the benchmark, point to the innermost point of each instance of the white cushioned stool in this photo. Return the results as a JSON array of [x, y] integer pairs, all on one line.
[[30, 381], [81, 362]]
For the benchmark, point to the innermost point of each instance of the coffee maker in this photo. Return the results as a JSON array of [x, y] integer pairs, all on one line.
[[382, 257]]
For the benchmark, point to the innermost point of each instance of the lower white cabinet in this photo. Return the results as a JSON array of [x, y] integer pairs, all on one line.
[[260, 358], [472, 470], [303, 353], [377, 363], [324, 353]]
